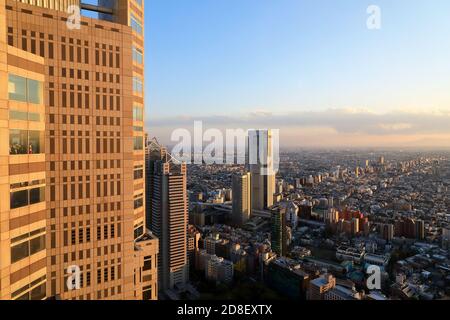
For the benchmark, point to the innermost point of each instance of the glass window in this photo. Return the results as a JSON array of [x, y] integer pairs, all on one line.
[[147, 293], [24, 90], [37, 244], [21, 115], [136, 24], [19, 252], [138, 143], [19, 199], [18, 142], [34, 91], [29, 247], [38, 293], [137, 85], [138, 232], [138, 113], [18, 115], [17, 88], [27, 197], [37, 195], [138, 203], [137, 56], [34, 117], [138, 174], [147, 264], [24, 297], [26, 142], [36, 142]]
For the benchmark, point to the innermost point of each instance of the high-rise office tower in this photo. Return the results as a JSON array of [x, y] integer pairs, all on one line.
[[166, 185], [279, 230], [242, 204], [74, 155], [420, 229], [261, 167]]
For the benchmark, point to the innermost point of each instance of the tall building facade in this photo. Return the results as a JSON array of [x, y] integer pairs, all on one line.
[[279, 231], [242, 204], [81, 181], [167, 189], [261, 167], [23, 263]]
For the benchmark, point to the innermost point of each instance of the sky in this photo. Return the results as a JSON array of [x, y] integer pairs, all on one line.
[[309, 68]]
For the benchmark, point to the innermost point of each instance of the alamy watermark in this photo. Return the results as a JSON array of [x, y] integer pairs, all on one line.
[[374, 280], [74, 278], [74, 19], [374, 20], [252, 147]]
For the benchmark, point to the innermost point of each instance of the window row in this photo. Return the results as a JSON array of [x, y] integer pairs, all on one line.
[[35, 290], [114, 188], [24, 116], [110, 232], [26, 142], [80, 146], [24, 90], [31, 44], [72, 99], [107, 59], [27, 197], [33, 243]]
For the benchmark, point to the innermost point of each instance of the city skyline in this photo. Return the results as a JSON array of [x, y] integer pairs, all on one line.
[[316, 67], [276, 165]]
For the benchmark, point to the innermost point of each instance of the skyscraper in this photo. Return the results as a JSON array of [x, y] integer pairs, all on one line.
[[166, 186], [279, 230], [75, 153], [23, 264], [261, 167], [241, 199]]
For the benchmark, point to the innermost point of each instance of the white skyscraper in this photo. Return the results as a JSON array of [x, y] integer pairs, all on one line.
[[262, 157]]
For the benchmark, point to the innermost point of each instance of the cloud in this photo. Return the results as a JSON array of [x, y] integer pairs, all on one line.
[[334, 124]]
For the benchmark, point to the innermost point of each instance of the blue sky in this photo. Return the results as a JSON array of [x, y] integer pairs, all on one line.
[[225, 58]]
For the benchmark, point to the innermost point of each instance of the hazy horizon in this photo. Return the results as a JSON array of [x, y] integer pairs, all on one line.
[[311, 69]]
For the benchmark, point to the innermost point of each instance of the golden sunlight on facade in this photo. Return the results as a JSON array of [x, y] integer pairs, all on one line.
[[71, 140]]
